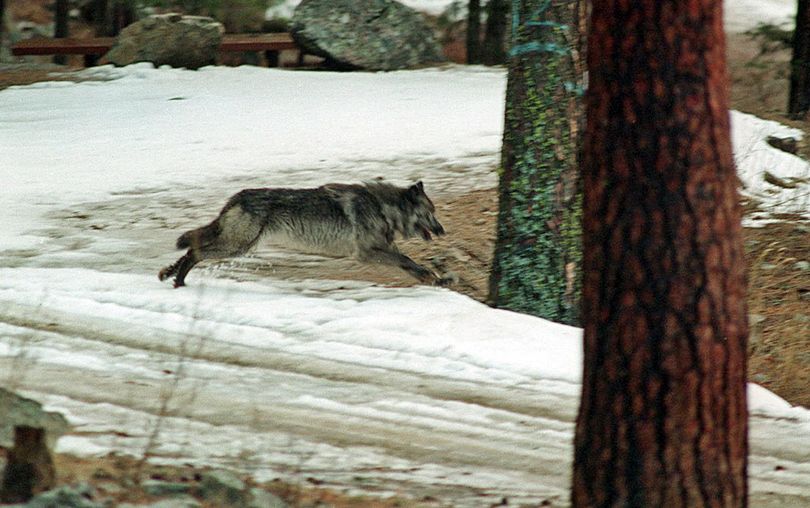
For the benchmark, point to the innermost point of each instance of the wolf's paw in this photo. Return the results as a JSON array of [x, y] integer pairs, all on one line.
[[164, 274], [179, 283]]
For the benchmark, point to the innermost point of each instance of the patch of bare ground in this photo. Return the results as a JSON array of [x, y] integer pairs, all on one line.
[[26, 74], [779, 285], [119, 479]]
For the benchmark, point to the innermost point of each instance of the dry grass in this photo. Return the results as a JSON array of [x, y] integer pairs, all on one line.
[[779, 304], [113, 478], [779, 290]]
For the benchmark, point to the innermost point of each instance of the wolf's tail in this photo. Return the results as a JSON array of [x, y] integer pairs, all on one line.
[[199, 237]]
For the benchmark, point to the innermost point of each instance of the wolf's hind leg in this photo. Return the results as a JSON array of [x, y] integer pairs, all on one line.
[[394, 258], [185, 264], [179, 268]]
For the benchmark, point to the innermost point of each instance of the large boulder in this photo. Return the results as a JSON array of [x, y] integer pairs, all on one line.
[[16, 411], [364, 34], [168, 39]]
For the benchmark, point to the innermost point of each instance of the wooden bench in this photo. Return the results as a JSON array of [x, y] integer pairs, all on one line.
[[94, 48]]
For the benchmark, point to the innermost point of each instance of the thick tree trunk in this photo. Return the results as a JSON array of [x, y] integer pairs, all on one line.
[[493, 51], [474, 32], [663, 417], [536, 268], [61, 27], [799, 96]]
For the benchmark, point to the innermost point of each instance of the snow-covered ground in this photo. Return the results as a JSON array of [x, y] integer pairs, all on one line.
[[417, 391]]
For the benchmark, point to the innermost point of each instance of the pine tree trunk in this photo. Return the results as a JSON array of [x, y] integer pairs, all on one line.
[[474, 32], [2, 23], [663, 417], [493, 52], [536, 267], [799, 95], [60, 27]]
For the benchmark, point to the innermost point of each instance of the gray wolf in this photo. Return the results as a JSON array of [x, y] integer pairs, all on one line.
[[338, 220]]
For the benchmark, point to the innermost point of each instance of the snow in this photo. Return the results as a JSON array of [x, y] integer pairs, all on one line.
[[285, 8], [742, 15], [755, 158], [419, 391]]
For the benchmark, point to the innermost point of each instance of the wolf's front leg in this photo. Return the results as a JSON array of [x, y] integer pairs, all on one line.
[[394, 258]]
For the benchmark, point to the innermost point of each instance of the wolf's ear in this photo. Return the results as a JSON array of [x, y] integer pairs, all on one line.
[[417, 188]]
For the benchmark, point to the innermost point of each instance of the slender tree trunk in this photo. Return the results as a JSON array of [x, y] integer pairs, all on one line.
[[61, 27], [2, 23], [493, 50], [799, 96], [474, 32], [536, 268], [663, 417]]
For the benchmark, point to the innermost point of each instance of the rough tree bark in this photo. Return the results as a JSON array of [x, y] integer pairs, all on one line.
[[60, 27], [474, 32], [536, 267], [493, 51], [799, 95], [663, 417], [2, 23]]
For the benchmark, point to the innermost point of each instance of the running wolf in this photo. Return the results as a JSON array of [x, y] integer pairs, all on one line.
[[338, 220]]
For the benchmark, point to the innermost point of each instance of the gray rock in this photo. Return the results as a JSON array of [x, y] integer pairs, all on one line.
[[263, 499], [67, 496], [18, 410], [177, 502], [223, 487], [168, 39], [365, 34], [160, 488], [786, 144]]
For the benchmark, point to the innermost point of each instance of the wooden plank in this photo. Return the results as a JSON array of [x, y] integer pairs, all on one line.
[[67, 46], [100, 45], [259, 42]]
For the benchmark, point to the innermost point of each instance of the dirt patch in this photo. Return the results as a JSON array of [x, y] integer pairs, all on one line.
[[26, 74], [118, 479], [464, 253]]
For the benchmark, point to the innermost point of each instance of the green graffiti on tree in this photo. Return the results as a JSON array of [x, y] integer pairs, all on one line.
[[537, 264]]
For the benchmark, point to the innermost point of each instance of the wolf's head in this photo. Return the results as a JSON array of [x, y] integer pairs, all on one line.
[[419, 218]]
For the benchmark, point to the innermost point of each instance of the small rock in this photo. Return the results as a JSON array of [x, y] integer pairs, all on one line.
[[802, 265], [458, 254], [67, 496], [177, 502], [223, 487], [263, 499], [789, 145], [760, 378], [160, 488], [756, 319], [779, 182]]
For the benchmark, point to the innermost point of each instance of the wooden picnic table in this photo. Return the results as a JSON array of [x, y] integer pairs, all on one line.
[[93, 48]]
